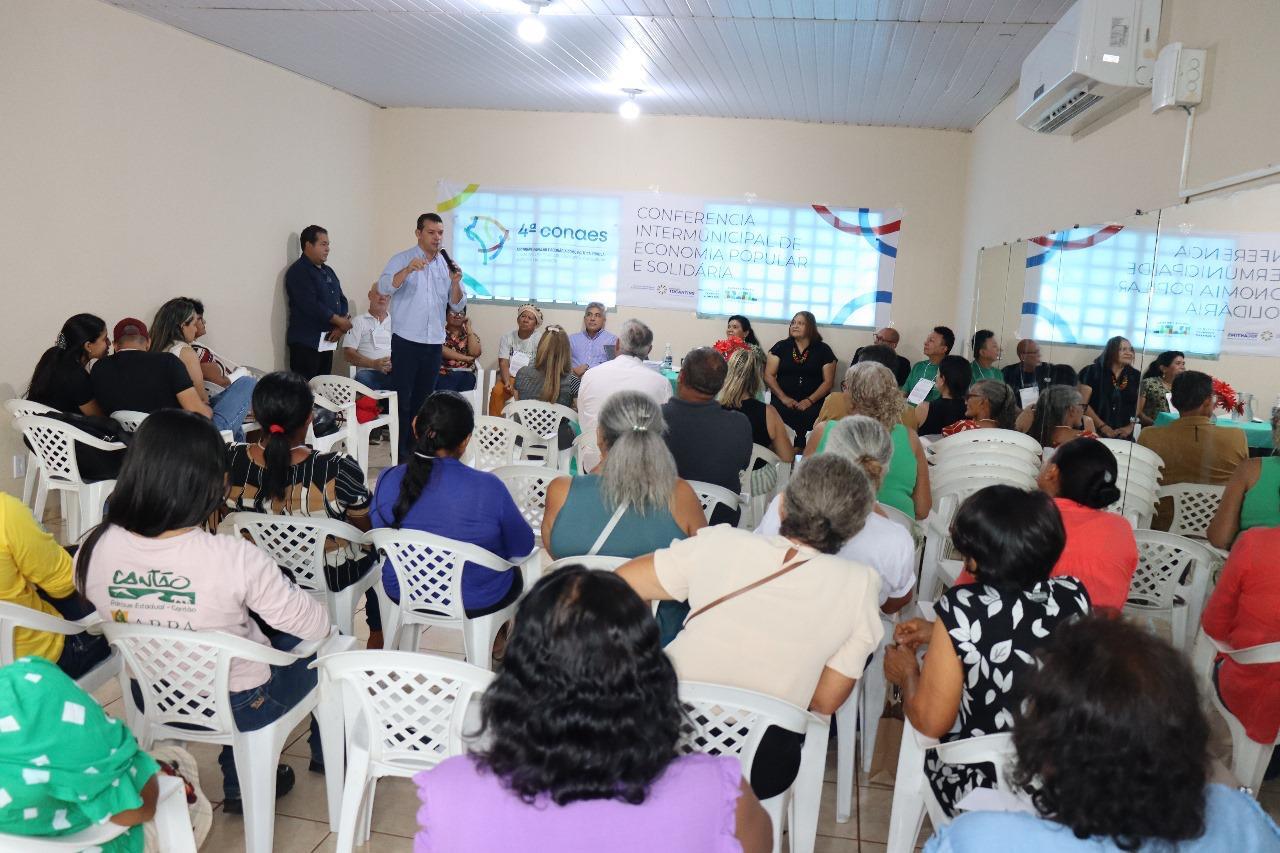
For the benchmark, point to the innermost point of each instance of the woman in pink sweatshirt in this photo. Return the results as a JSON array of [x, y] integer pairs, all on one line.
[[151, 562]]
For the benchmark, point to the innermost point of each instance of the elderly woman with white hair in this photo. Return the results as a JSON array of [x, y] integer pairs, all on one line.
[[782, 615], [881, 544], [873, 391], [518, 347], [634, 503]]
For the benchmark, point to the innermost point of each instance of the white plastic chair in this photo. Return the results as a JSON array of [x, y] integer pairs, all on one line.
[[498, 441], [1171, 580], [760, 487], [343, 392], [33, 485], [595, 561], [584, 448], [983, 453], [172, 823], [544, 419], [54, 444], [1194, 505], [14, 616], [184, 680], [405, 712], [527, 485], [731, 721], [1249, 759], [712, 496], [1012, 438], [1132, 450], [297, 543], [429, 570], [128, 419], [945, 479], [846, 740], [912, 796]]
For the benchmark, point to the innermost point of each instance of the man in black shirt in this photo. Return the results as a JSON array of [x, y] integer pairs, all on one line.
[[317, 306], [710, 444], [135, 380], [1028, 372], [888, 337]]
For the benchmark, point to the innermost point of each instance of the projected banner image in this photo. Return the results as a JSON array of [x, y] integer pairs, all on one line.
[[762, 260], [1199, 292], [681, 253], [542, 245]]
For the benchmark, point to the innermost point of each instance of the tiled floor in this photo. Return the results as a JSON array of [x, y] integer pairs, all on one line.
[[302, 821]]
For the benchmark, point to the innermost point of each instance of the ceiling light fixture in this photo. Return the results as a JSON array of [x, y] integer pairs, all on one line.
[[630, 109], [532, 29]]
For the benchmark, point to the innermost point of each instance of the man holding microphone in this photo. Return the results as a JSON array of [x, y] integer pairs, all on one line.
[[421, 282]]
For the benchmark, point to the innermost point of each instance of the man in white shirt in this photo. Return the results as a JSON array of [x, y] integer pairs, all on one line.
[[367, 346], [626, 372]]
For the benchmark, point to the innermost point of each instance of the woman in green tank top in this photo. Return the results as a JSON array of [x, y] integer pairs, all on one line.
[[873, 392], [1251, 499]]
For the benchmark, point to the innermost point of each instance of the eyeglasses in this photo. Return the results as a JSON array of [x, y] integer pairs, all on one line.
[[886, 341]]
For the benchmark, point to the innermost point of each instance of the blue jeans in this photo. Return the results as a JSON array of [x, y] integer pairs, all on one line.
[[232, 405], [457, 380], [268, 702], [414, 368], [375, 379]]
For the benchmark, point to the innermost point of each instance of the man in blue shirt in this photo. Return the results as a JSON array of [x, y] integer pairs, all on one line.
[[317, 307], [590, 347], [420, 283]]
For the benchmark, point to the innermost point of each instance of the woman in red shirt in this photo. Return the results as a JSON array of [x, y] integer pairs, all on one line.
[[1244, 611], [1101, 550]]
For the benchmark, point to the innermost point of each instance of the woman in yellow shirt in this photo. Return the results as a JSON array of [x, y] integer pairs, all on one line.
[[32, 561]]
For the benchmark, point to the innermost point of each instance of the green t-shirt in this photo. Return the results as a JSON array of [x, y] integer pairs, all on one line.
[[922, 370], [978, 372], [64, 764]]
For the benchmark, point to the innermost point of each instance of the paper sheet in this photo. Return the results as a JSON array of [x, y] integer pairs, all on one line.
[[1028, 396], [920, 391], [326, 345]]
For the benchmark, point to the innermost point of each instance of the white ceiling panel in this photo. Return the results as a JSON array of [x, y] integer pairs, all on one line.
[[918, 63]]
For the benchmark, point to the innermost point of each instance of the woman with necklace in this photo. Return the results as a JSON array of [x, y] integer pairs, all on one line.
[[988, 404], [1113, 381], [1157, 385], [800, 373]]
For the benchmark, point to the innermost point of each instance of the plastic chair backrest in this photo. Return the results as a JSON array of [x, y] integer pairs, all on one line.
[[1133, 450], [1194, 505], [605, 564], [944, 445], [340, 390], [429, 569], [1164, 559], [543, 418], [899, 517], [415, 705], [730, 721], [184, 677], [498, 441], [129, 420], [18, 407], [54, 445], [585, 443], [527, 485], [711, 496], [296, 542], [976, 455]]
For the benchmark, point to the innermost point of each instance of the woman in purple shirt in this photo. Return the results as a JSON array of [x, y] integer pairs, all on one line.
[[436, 493], [580, 729]]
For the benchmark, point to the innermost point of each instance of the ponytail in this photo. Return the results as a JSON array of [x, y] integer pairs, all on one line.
[[443, 423], [282, 403]]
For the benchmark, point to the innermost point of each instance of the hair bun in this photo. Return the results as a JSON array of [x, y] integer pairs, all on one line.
[[1106, 494]]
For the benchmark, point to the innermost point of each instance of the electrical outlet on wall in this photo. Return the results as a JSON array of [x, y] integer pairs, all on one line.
[[19, 466]]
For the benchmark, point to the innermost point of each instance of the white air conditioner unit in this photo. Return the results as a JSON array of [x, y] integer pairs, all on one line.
[[1100, 55]]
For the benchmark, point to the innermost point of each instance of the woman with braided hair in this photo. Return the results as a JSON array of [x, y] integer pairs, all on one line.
[[436, 493]]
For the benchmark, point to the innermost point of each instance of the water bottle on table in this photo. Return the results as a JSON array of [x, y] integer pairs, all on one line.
[[666, 358]]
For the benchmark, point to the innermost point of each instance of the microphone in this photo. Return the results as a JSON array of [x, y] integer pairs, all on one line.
[[448, 260]]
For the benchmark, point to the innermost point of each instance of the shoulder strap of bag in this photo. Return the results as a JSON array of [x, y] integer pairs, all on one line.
[[791, 566], [608, 528]]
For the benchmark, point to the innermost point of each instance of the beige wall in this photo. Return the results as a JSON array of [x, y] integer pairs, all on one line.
[[920, 171], [1023, 184], [141, 163]]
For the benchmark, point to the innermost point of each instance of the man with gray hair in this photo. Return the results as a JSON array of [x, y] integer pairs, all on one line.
[[626, 372], [589, 347]]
